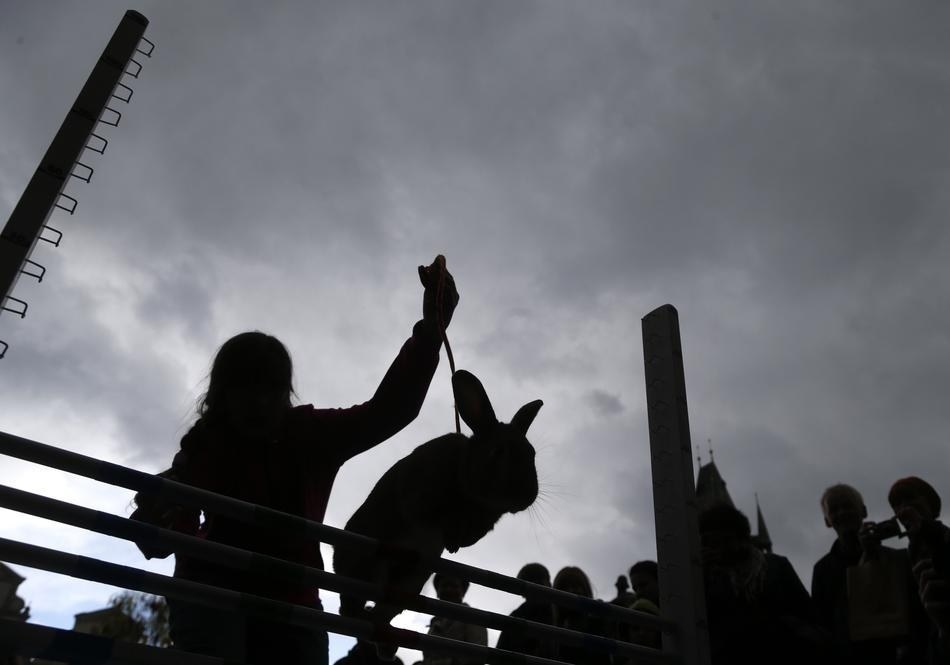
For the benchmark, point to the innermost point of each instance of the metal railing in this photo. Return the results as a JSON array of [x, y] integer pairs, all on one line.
[[682, 627]]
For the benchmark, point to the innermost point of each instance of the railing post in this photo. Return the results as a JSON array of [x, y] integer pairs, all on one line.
[[682, 595]]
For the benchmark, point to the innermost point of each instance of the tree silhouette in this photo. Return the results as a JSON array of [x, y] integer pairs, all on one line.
[[148, 613]]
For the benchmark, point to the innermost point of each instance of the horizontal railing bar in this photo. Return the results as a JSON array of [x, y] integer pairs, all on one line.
[[55, 644], [95, 570], [113, 574], [163, 488], [236, 558]]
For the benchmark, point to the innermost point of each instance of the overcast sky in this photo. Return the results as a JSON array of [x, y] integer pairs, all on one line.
[[778, 171]]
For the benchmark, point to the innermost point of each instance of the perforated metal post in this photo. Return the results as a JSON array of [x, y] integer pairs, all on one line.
[[27, 222], [682, 595]]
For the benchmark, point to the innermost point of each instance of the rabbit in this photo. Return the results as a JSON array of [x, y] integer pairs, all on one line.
[[446, 494]]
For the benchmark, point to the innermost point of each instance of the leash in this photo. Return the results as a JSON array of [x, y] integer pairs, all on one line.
[[440, 298]]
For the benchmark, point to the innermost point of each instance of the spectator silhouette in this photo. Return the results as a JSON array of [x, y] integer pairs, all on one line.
[[757, 607], [531, 610], [645, 580], [642, 635], [250, 443], [573, 580], [873, 636], [452, 590], [624, 596], [917, 505], [645, 598]]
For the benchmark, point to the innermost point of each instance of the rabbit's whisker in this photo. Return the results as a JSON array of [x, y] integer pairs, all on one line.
[[549, 491], [538, 516]]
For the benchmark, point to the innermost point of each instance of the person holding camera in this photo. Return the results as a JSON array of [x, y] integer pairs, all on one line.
[[861, 589], [917, 505]]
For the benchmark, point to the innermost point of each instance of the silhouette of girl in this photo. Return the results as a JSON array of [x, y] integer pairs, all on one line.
[[574, 580], [251, 443]]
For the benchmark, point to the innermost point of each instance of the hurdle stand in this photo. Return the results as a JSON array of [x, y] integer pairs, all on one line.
[[682, 595], [27, 225], [683, 623]]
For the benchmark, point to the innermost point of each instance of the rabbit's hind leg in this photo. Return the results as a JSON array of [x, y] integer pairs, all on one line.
[[357, 568], [401, 584]]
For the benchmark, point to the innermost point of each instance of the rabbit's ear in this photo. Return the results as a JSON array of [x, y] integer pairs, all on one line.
[[525, 416], [472, 402]]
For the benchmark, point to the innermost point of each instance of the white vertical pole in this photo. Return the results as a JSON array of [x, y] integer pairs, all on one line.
[[682, 595]]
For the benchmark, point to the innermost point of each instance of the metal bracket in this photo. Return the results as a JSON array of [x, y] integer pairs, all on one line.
[[62, 207], [20, 312], [38, 275], [111, 123], [100, 149], [138, 71], [59, 235], [151, 47], [87, 177], [126, 98]]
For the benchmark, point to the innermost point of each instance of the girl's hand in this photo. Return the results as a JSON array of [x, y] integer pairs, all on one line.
[[433, 278]]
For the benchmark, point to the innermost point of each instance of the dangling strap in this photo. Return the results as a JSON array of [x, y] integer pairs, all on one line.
[[440, 296]]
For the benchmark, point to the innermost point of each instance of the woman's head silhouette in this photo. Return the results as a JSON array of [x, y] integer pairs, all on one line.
[[250, 385]]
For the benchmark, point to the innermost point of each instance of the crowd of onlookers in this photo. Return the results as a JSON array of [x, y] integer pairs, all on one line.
[[870, 603]]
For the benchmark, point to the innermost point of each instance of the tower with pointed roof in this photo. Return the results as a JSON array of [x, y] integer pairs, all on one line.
[[761, 539], [711, 491], [710, 487]]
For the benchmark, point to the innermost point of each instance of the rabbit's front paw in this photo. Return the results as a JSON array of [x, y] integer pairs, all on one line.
[[386, 651]]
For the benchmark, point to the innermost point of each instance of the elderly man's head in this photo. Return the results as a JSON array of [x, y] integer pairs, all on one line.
[[844, 510]]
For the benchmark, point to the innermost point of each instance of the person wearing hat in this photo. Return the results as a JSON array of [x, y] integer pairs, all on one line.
[[452, 590], [917, 506]]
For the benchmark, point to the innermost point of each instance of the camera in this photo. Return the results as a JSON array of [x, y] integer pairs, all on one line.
[[881, 531]]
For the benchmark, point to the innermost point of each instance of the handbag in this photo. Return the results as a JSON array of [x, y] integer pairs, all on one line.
[[878, 597]]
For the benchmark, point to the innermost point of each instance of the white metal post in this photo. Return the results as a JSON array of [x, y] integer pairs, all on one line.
[[682, 595]]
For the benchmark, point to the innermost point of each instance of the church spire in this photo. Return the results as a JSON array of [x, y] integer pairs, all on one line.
[[761, 538], [710, 486]]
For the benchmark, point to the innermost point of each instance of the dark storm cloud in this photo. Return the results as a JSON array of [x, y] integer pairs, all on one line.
[[69, 359], [604, 403], [464, 107], [768, 149], [181, 294]]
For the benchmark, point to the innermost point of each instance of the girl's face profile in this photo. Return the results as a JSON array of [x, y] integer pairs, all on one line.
[[255, 411], [572, 584], [250, 386]]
